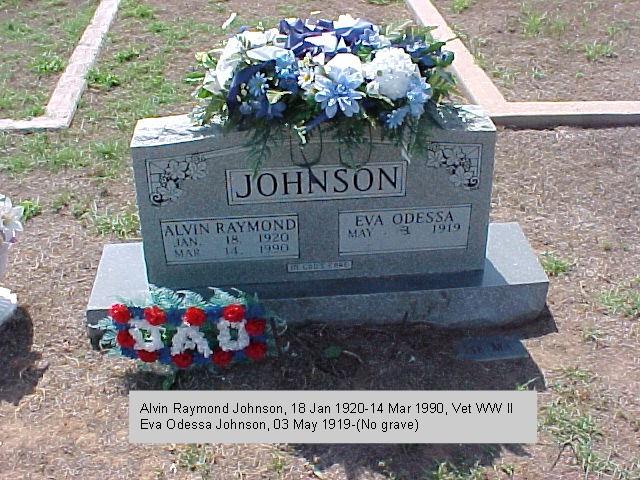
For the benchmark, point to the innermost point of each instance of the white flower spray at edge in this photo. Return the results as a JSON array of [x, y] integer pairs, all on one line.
[[10, 219]]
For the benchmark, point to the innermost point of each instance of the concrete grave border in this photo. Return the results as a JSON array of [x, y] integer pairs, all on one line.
[[479, 89], [64, 99]]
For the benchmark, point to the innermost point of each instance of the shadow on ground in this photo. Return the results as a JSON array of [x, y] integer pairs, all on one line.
[[401, 357], [19, 373]]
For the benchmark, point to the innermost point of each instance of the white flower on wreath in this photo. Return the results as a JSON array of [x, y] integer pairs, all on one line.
[[190, 338], [10, 219], [392, 69], [307, 72], [170, 190], [154, 343], [176, 170], [224, 335], [344, 62]]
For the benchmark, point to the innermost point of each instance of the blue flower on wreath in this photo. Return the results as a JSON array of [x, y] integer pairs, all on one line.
[[164, 356], [213, 313], [286, 66], [255, 311], [396, 117], [245, 108], [371, 38], [128, 352], [417, 95], [257, 85], [339, 94], [420, 53], [174, 316], [199, 359], [264, 109]]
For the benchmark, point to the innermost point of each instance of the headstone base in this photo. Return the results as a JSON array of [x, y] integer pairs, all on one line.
[[512, 288]]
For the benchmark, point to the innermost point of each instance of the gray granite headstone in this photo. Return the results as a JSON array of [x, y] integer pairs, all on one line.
[[207, 220], [396, 230]]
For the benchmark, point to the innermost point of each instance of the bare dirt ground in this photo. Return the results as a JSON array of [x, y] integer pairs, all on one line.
[[553, 50], [63, 407]]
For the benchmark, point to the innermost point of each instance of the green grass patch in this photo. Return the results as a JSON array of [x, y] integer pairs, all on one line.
[[532, 21], [557, 26], [102, 79], [12, 30], [450, 471], [569, 422], [554, 266], [126, 55], [74, 27], [135, 9], [622, 300], [80, 207], [125, 224], [37, 150], [459, 6], [47, 64], [21, 104], [592, 334], [506, 74], [596, 50], [32, 208]]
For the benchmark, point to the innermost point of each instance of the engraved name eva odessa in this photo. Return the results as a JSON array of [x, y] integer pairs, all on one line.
[[298, 184], [404, 229], [230, 239]]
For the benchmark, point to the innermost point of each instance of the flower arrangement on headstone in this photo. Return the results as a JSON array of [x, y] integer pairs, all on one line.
[[10, 228], [346, 78]]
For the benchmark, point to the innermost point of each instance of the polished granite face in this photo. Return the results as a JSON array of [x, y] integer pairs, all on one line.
[[209, 220]]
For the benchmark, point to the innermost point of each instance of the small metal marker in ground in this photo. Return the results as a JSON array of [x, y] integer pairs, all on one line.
[[489, 348]]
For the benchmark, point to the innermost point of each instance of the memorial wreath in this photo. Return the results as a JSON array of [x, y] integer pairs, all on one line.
[[181, 328], [347, 77]]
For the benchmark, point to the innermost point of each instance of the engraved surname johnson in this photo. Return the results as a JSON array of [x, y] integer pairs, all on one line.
[[230, 239], [296, 184], [404, 229]]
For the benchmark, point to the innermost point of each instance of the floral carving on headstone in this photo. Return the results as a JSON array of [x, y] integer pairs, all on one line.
[[462, 162], [166, 176]]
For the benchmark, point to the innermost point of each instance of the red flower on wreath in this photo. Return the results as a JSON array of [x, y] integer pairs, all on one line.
[[148, 357], [119, 313], [233, 313], [195, 316], [125, 340], [256, 351], [255, 327], [222, 358], [182, 360], [155, 315]]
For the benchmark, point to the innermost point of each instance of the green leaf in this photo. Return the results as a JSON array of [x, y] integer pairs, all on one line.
[[387, 100], [274, 96], [168, 381], [332, 352], [203, 93], [205, 60]]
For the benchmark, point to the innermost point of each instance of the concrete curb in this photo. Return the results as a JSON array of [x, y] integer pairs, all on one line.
[[64, 99], [479, 89]]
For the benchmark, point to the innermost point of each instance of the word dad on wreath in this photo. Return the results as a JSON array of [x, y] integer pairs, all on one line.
[[192, 335]]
